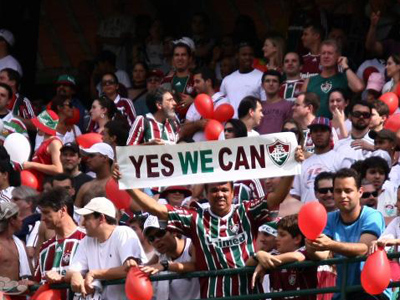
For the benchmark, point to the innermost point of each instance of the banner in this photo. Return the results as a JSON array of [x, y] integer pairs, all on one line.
[[203, 162]]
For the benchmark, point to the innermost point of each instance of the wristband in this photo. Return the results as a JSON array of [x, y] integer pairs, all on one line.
[[255, 257], [345, 70], [165, 264]]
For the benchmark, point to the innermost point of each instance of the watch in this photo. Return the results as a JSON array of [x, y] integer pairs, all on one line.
[[165, 264]]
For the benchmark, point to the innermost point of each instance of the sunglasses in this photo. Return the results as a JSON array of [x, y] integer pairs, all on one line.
[[294, 130], [369, 194], [325, 190], [358, 114], [229, 130], [108, 82], [158, 235]]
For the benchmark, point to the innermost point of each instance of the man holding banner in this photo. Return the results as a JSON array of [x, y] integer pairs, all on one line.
[[224, 234]]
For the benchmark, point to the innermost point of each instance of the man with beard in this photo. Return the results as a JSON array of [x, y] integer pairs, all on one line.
[[324, 159], [159, 126]]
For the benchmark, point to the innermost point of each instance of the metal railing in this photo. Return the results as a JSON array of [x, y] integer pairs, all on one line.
[[343, 289]]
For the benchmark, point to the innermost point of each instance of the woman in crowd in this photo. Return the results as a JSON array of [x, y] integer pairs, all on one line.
[[103, 110], [338, 101], [274, 50], [393, 72], [234, 128], [139, 73], [291, 125]]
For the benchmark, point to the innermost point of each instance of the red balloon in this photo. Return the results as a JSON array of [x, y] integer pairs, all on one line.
[[204, 105], [375, 276], [75, 117], [120, 198], [50, 295], [391, 100], [41, 289], [213, 129], [87, 140], [138, 285], [312, 219], [224, 112], [29, 179], [393, 122]]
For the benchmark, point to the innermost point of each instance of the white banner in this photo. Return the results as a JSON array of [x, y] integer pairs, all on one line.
[[203, 162]]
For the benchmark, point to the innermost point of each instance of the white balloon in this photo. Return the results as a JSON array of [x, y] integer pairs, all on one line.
[[18, 147]]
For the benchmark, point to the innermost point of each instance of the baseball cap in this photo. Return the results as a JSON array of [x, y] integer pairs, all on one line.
[[186, 41], [7, 36], [321, 121], [66, 79], [376, 81], [46, 121], [269, 228], [383, 134], [101, 148], [155, 73], [70, 146], [7, 210], [153, 222], [184, 190], [100, 205]]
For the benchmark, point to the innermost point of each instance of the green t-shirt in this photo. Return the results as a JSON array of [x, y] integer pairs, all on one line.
[[322, 86], [179, 83]]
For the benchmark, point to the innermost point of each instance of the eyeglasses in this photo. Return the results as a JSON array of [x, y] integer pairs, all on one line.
[[158, 235], [294, 130], [69, 104], [108, 82], [229, 130], [358, 114], [325, 190], [369, 194]]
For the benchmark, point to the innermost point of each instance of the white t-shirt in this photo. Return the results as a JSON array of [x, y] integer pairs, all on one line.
[[350, 154], [237, 85], [303, 185], [394, 175], [387, 200], [193, 115], [252, 133], [121, 245], [392, 231], [10, 62]]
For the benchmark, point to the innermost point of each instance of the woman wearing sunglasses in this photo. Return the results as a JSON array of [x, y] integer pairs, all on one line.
[[234, 128], [291, 125], [65, 131]]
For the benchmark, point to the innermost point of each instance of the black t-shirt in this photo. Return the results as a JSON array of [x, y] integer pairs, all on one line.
[[27, 225]]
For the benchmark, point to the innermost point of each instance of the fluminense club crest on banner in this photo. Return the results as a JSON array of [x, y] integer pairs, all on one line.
[[279, 152]]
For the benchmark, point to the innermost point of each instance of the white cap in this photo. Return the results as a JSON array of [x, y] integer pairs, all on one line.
[[99, 204], [101, 148], [153, 222], [187, 41], [7, 36]]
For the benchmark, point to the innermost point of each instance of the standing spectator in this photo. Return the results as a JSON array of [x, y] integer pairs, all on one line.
[[338, 101], [7, 41], [323, 189], [250, 113], [313, 34], [246, 81], [104, 250], [291, 87], [116, 133], [234, 128], [274, 49], [159, 126], [330, 78], [393, 72], [139, 72], [275, 110], [103, 110], [110, 88], [349, 232]]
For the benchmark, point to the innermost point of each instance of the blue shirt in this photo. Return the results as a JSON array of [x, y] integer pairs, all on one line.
[[369, 221]]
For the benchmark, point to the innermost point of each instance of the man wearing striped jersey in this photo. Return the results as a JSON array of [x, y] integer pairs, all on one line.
[[56, 253], [291, 87], [223, 234], [159, 126], [11, 124]]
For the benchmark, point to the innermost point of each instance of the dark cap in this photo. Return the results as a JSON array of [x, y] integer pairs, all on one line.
[[321, 121], [155, 73], [383, 134], [70, 146]]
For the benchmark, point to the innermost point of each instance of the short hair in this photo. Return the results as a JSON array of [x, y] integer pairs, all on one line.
[[347, 173], [7, 88], [27, 194], [206, 74], [182, 45], [61, 177], [381, 107], [56, 199], [247, 103], [109, 220], [316, 28], [207, 184], [322, 176], [375, 162], [239, 128], [362, 103], [107, 56], [272, 73], [13, 75], [243, 44], [290, 224], [107, 103], [300, 57], [332, 43], [119, 129], [311, 99], [14, 177], [154, 97]]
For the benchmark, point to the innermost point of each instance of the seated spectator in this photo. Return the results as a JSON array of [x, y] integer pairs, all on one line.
[[250, 113], [291, 87], [153, 81], [102, 253], [379, 115], [275, 110], [370, 194], [103, 110], [234, 128], [385, 140]]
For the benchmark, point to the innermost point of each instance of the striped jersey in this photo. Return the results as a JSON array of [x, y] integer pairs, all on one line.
[[290, 89], [146, 129], [6, 194], [247, 190], [56, 254], [311, 66], [21, 107], [12, 124], [222, 242], [126, 108]]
